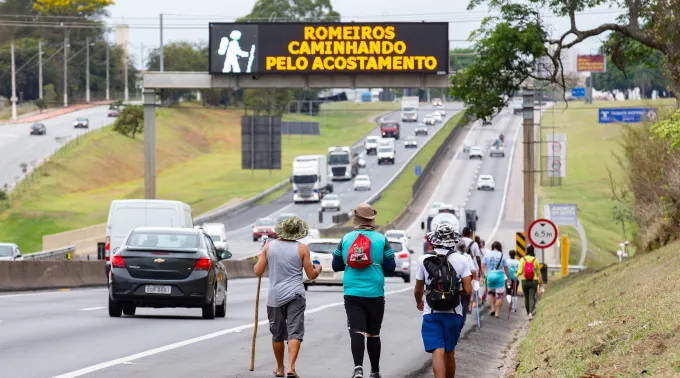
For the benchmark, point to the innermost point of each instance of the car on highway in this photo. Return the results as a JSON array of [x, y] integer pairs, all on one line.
[[218, 234], [362, 182], [441, 111], [83, 123], [125, 215], [486, 122], [163, 267], [38, 129], [429, 120], [113, 113], [476, 152], [402, 259], [467, 144], [410, 142], [330, 202], [312, 234], [437, 102], [486, 182], [397, 234], [262, 227], [371, 144], [10, 252], [322, 250], [361, 163], [421, 130], [437, 117]]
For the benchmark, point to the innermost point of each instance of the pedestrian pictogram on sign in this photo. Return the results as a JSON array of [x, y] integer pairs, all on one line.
[[542, 233], [419, 169]]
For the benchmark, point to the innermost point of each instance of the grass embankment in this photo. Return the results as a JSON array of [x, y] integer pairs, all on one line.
[[396, 196], [591, 149], [621, 321], [198, 161]]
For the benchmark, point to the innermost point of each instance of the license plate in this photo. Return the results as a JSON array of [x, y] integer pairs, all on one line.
[[155, 289], [327, 274]]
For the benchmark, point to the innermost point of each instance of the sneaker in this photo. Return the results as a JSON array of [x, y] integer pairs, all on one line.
[[358, 372], [493, 314], [375, 374], [531, 316]]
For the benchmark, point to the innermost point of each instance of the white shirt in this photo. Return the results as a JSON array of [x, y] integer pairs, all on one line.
[[474, 249], [458, 262], [471, 263]]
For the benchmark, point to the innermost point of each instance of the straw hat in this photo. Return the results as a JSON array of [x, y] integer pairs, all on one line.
[[364, 216]]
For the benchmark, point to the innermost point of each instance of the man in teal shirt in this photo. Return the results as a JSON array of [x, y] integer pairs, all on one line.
[[364, 285]]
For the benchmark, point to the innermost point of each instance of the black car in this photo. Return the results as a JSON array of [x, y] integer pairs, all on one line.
[[38, 129], [486, 122], [81, 123], [168, 267], [421, 131]]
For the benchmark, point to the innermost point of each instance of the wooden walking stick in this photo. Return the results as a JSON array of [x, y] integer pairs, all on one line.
[[257, 308]]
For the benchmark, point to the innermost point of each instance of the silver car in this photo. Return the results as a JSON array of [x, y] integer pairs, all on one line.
[[10, 252], [402, 258], [330, 202], [322, 250]]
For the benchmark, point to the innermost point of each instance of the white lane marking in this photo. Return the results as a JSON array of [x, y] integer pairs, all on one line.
[[151, 352], [425, 208], [91, 309], [50, 292], [507, 186]]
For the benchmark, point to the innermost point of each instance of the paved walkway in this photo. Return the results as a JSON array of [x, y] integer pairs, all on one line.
[[38, 116]]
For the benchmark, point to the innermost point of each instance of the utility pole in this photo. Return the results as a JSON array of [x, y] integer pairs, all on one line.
[[162, 56], [108, 94], [125, 77], [14, 85], [141, 59], [40, 74], [87, 69], [528, 125], [65, 68]]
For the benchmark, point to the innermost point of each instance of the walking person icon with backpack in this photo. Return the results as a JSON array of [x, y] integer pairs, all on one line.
[[442, 278]]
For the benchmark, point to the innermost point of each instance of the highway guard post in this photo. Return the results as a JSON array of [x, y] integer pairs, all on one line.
[[564, 255]]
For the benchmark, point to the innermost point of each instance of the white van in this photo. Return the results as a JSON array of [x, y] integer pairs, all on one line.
[[218, 234], [125, 215]]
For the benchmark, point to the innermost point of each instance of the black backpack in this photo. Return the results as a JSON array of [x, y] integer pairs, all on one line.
[[442, 293]]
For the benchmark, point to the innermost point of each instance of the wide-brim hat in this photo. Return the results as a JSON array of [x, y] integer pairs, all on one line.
[[364, 215], [292, 228], [444, 236]]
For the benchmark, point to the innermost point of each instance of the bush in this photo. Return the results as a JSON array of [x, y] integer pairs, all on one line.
[[130, 121], [49, 94], [653, 174], [40, 103]]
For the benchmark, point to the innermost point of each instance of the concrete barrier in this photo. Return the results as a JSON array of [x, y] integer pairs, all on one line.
[[35, 275], [63, 274]]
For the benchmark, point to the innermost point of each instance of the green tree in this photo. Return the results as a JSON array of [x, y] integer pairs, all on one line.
[[71, 7], [461, 58], [516, 46], [41, 104], [647, 76], [49, 94], [130, 121]]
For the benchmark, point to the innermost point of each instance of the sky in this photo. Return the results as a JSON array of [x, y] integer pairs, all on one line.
[[188, 20]]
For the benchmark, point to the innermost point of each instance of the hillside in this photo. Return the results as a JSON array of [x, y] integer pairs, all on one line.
[[621, 321], [198, 161]]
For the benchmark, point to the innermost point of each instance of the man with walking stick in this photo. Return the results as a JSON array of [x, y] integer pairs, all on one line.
[[286, 258]]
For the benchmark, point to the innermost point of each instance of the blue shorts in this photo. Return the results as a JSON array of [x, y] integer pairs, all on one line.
[[441, 331]]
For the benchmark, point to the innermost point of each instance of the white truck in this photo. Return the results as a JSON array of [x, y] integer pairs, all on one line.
[[517, 105], [310, 178], [371, 144], [497, 149], [409, 108], [386, 151], [343, 164], [456, 216]]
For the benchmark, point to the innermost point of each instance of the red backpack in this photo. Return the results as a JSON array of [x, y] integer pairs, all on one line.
[[359, 253], [529, 269]]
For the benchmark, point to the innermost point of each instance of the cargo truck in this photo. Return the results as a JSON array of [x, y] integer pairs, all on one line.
[[409, 108], [310, 178], [343, 164]]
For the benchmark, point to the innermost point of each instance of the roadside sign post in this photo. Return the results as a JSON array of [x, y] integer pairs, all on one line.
[[542, 234], [419, 170]]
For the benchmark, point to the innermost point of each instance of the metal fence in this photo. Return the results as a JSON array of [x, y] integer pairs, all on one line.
[[300, 128], [62, 253]]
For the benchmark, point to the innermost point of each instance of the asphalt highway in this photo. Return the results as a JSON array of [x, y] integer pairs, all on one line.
[[239, 225], [71, 334], [18, 146]]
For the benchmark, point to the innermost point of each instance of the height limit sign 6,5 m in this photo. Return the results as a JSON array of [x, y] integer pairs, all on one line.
[[542, 233]]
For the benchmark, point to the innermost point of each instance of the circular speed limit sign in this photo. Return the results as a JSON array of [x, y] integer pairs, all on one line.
[[542, 233]]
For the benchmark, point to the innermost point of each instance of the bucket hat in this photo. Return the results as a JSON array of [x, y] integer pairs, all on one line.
[[364, 216], [444, 236], [292, 228]]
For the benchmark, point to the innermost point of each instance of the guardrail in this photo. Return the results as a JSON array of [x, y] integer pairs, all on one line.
[[53, 254]]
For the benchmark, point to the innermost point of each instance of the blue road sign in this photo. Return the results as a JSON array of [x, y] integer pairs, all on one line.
[[626, 115], [578, 92], [419, 169]]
